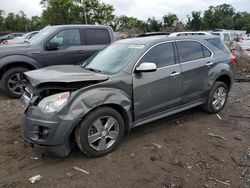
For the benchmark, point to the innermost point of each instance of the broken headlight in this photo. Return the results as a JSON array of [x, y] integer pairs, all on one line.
[[55, 102]]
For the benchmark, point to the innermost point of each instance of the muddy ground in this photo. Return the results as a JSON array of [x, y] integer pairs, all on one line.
[[172, 152]]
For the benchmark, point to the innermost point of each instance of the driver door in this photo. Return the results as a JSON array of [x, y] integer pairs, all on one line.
[[70, 51], [159, 91]]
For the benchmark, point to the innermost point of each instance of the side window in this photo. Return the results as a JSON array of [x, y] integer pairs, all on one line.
[[162, 55], [189, 50], [97, 36], [206, 52], [10, 36], [67, 38]]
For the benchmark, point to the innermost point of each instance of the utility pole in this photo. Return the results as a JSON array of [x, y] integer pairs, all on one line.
[[81, 3], [84, 10]]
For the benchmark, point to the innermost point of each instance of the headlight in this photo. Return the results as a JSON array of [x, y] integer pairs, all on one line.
[[55, 102]]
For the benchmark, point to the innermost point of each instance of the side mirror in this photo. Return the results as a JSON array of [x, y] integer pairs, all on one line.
[[146, 67], [52, 46]]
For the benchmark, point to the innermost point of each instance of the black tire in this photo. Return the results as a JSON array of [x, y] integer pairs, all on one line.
[[208, 106], [84, 129], [5, 81]]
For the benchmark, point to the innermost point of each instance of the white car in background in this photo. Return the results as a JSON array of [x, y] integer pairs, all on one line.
[[226, 37], [245, 46], [20, 40], [246, 37]]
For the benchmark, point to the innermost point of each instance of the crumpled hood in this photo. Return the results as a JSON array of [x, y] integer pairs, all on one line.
[[62, 74]]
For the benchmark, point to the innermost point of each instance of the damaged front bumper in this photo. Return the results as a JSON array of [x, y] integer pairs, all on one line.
[[48, 130]]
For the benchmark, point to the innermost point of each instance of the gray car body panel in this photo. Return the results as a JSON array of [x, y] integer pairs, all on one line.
[[63, 74], [141, 96], [36, 56]]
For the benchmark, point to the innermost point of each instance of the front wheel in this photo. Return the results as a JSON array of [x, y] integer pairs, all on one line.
[[217, 98], [13, 82], [100, 132]]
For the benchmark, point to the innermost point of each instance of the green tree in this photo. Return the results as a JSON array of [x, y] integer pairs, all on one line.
[[1, 20], [129, 24], [220, 16], [169, 20], [99, 12], [195, 21], [57, 11], [66, 12], [153, 24], [10, 22]]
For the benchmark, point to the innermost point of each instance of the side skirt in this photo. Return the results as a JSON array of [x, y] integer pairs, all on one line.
[[165, 114]]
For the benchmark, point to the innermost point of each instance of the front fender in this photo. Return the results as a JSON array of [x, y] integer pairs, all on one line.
[[82, 102], [7, 60]]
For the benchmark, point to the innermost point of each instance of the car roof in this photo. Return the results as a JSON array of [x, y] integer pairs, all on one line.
[[153, 34], [160, 38], [80, 25]]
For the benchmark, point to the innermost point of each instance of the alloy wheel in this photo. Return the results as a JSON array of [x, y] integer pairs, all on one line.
[[17, 83], [219, 98], [103, 133]]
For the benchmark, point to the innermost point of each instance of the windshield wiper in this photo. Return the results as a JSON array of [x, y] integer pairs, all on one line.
[[94, 70]]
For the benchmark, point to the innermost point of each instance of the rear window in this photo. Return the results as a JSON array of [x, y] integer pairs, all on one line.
[[226, 37], [217, 42], [97, 36]]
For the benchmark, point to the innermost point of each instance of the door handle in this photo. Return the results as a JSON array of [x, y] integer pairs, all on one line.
[[209, 63], [175, 73]]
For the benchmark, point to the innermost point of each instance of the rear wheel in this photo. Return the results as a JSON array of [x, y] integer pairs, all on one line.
[[13, 82], [217, 98], [100, 132]]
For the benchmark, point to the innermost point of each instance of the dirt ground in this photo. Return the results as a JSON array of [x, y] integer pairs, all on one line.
[[173, 152]]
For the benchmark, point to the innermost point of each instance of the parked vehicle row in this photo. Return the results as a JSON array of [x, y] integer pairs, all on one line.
[[22, 39], [95, 103], [10, 36], [54, 45]]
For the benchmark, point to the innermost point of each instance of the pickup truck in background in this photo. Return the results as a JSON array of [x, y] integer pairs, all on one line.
[[53, 45]]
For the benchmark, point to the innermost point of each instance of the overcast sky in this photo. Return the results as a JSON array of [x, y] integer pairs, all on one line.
[[141, 9]]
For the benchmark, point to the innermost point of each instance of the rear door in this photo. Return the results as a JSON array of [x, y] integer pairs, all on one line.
[[196, 62], [159, 91], [71, 49], [95, 39]]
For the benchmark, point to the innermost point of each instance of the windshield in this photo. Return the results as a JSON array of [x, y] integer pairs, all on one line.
[[24, 36], [113, 58], [43, 34]]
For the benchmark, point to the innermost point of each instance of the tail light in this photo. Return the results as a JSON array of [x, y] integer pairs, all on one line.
[[248, 49], [233, 59]]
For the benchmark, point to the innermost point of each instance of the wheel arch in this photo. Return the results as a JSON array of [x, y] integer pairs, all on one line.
[[17, 61], [89, 101], [225, 79]]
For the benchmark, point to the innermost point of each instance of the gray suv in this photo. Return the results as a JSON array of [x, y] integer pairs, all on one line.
[[129, 83], [54, 45]]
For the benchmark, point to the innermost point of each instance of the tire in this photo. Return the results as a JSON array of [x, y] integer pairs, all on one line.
[[10, 75], [95, 140], [210, 105]]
